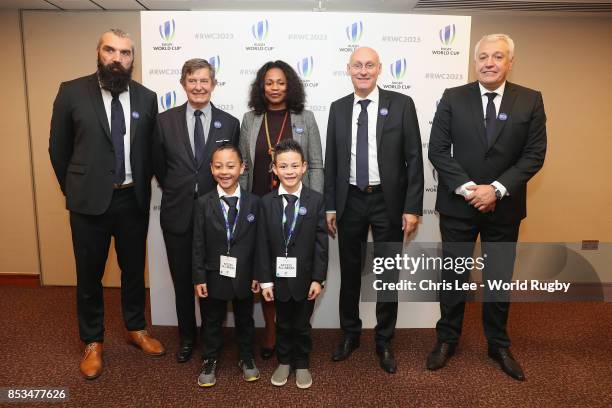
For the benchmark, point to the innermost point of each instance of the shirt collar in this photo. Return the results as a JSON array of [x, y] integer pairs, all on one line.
[[499, 91], [223, 193], [373, 96], [281, 191], [109, 92], [205, 110]]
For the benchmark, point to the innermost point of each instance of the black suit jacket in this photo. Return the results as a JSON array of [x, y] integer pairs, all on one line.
[[400, 158], [309, 244], [210, 242], [175, 167], [81, 148], [516, 154]]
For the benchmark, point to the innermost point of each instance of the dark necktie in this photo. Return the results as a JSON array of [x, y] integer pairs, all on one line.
[[491, 117], [232, 212], [117, 134], [289, 212], [362, 172], [198, 137]]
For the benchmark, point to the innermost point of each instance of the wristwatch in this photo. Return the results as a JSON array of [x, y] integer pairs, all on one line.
[[498, 194]]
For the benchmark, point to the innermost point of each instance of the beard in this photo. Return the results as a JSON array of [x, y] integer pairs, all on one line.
[[114, 77]]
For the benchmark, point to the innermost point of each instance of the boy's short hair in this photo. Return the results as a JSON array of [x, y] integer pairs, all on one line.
[[288, 145], [227, 146]]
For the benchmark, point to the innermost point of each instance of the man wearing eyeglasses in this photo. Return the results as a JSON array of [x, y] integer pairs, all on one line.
[[183, 142], [373, 179]]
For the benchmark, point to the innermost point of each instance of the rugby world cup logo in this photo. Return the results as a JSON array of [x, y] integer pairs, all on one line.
[[167, 30], [215, 62], [447, 34], [168, 100], [398, 69], [260, 30], [354, 31], [305, 66]]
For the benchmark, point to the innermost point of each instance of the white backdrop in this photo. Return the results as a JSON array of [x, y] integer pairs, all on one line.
[[421, 56]]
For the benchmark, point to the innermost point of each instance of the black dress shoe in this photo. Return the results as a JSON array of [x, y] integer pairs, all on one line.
[[266, 353], [507, 362], [440, 355], [184, 354], [386, 359], [344, 349]]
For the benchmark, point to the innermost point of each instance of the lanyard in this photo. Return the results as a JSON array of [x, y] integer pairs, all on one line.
[[296, 211], [229, 230]]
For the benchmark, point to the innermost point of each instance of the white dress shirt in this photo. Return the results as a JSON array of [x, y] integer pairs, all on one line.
[[124, 98], [281, 191], [462, 190], [372, 109]]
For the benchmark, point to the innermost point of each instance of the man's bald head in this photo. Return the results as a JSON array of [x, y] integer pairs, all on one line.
[[364, 68]]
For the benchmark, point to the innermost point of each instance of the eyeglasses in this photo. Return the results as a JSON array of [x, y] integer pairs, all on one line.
[[358, 66]]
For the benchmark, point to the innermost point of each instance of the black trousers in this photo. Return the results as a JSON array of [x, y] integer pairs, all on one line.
[[91, 236], [362, 211], [178, 250], [499, 244], [216, 310], [293, 341]]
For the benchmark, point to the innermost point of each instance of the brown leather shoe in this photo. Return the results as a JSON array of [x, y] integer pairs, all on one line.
[[91, 363], [149, 345]]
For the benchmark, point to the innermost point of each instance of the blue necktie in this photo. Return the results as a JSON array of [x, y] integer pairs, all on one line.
[[491, 117], [289, 212], [363, 174], [232, 212], [198, 138], [117, 134]]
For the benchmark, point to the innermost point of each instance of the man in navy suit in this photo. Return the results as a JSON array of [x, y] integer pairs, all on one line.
[[100, 149], [183, 142], [373, 179], [488, 139]]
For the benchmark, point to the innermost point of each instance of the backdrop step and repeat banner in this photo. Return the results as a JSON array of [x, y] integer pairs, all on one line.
[[421, 56]]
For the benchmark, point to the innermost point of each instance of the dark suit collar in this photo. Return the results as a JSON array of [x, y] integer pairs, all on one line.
[[181, 118], [477, 114], [505, 110], [383, 106], [98, 103], [135, 107]]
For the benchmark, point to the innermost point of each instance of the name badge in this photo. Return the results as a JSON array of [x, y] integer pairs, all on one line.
[[227, 266], [286, 267]]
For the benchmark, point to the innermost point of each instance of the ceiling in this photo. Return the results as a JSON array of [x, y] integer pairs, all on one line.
[[548, 7]]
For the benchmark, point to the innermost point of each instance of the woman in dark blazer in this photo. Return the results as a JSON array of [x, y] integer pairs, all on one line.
[[277, 101]]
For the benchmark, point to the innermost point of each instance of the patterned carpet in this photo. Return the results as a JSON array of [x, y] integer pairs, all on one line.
[[565, 350]]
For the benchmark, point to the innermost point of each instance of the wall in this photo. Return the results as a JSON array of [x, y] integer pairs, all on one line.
[[18, 248], [568, 59]]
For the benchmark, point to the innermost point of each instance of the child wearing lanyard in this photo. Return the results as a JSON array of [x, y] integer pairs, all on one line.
[[291, 259], [224, 234]]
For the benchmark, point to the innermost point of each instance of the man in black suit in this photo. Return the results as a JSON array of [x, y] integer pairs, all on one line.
[[183, 142], [373, 178], [100, 147], [487, 140]]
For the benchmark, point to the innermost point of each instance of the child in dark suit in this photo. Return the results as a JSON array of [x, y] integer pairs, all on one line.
[[224, 236], [292, 247]]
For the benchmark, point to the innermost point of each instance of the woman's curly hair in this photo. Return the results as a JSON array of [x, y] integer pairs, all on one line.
[[295, 96]]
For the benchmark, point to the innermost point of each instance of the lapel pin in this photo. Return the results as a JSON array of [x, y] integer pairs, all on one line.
[[217, 124], [302, 211], [250, 218], [298, 130], [135, 115], [383, 111], [502, 116]]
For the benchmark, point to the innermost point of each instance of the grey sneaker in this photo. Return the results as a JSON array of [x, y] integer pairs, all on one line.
[[249, 370], [207, 377], [303, 379], [279, 377]]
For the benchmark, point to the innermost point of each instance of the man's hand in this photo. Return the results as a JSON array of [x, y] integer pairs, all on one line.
[[201, 290], [482, 197], [268, 294], [331, 224], [255, 286], [409, 224], [315, 289]]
